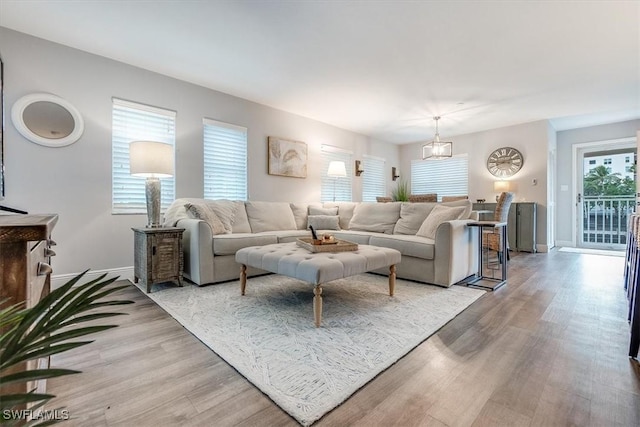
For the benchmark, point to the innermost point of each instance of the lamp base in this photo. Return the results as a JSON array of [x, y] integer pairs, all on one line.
[[153, 194]]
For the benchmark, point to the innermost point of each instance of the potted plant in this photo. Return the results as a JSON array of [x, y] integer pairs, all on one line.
[[48, 328], [401, 192]]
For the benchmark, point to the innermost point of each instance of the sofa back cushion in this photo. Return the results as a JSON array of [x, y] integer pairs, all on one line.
[[300, 214], [377, 217], [240, 222], [270, 216]]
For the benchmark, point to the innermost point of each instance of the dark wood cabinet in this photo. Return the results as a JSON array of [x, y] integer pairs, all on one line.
[[25, 275], [521, 224], [158, 255]]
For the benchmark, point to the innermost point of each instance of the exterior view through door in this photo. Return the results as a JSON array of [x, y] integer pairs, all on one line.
[[606, 187]]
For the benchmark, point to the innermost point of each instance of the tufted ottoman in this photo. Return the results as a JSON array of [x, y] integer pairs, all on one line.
[[290, 260]]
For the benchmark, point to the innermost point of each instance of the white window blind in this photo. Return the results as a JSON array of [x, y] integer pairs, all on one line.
[[225, 161], [136, 122], [448, 177], [341, 186], [374, 181]]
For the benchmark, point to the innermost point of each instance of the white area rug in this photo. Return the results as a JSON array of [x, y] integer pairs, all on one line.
[[269, 335], [592, 251]]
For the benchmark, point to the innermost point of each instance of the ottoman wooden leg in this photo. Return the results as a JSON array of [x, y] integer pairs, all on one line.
[[243, 278], [317, 305], [392, 280]]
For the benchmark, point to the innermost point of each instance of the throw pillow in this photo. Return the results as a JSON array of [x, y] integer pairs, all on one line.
[[412, 215], [438, 215], [225, 210], [205, 213], [314, 210], [468, 206], [345, 212], [324, 222], [378, 217]]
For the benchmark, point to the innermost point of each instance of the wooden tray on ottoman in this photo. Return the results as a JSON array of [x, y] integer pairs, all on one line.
[[335, 246]]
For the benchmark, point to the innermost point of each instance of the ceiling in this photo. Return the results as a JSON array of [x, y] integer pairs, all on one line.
[[380, 68]]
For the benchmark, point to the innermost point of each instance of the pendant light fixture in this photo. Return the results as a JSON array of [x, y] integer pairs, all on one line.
[[436, 149]]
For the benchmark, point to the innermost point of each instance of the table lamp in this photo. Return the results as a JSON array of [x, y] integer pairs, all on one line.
[[151, 160]]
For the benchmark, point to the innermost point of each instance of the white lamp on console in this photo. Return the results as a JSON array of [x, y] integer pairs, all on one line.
[[151, 160]]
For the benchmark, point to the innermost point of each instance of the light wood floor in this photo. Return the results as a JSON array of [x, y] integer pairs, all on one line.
[[548, 349]]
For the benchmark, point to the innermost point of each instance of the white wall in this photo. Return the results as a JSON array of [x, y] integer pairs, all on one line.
[[566, 140], [75, 181], [531, 139]]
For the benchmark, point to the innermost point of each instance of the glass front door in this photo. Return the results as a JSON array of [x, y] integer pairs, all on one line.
[[606, 195]]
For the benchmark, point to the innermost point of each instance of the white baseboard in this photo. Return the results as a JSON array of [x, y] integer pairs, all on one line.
[[542, 248], [564, 243], [124, 273]]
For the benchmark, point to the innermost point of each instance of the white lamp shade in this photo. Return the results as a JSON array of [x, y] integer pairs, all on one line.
[[151, 159], [337, 169], [500, 186]]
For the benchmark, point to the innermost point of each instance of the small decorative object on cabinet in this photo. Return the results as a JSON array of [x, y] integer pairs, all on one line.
[[521, 227], [158, 255], [25, 275]]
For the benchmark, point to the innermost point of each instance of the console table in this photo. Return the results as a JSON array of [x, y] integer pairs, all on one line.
[[25, 275], [521, 224]]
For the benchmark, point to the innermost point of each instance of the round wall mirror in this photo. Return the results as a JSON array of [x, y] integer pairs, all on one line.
[[47, 120]]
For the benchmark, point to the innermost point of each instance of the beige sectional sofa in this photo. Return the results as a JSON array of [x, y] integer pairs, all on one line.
[[436, 244]]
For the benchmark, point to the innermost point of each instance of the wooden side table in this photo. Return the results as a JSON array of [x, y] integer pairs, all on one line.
[[480, 280], [158, 255]]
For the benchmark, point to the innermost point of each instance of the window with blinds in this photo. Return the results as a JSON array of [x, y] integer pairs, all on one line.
[[374, 181], [225, 161], [448, 177], [137, 122], [338, 189]]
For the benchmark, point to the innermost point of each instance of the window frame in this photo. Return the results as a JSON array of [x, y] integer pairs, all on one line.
[[371, 164], [448, 183], [230, 175], [128, 192]]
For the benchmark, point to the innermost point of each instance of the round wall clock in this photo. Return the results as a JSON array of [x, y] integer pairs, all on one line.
[[504, 162]]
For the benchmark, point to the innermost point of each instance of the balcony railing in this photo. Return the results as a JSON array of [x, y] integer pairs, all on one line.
[[604, 218]]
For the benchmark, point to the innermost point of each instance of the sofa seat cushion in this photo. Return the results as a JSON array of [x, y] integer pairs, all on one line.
[[359, 237], [414, 246], [228, 244], [285, 236]]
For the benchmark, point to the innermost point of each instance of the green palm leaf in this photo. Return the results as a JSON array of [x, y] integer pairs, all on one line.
[[49, 328]]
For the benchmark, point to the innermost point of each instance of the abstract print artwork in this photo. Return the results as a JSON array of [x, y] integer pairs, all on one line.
[[287, 157]]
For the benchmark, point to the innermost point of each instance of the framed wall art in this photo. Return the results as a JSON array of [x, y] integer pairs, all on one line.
[[287, 157]]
